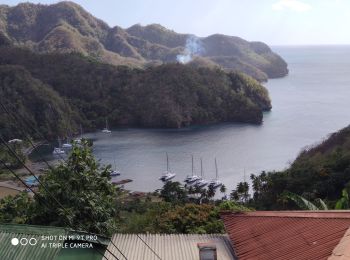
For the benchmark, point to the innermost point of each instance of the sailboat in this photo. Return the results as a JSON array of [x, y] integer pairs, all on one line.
[[58, 150], [67, 144], [191, 179], [167, 175], [202, 183], [115, 172], [216, 183], [78, 140], [106, 130]]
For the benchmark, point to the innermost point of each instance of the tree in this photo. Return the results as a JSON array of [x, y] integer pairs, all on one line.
[[343, 202], [82, 187], [174, 193], [191, 219], [223, 190], [241, 193], [15, 209]]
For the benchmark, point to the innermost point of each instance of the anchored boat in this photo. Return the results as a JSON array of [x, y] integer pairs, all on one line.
[[167, 175]]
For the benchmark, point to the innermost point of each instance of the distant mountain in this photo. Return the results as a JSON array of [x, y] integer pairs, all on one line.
[[71, 89], [67, 27]]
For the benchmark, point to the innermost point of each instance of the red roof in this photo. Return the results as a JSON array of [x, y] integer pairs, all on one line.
[[286, 235]]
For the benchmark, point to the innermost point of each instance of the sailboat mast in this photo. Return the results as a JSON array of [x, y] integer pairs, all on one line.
[[216, 169], [201, 168], [167, 162], [81, 131], [192, 165]]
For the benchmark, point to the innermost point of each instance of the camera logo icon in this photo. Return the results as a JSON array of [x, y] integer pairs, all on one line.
[[24, 241]]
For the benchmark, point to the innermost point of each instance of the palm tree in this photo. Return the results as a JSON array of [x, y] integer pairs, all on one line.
[[223, 190]]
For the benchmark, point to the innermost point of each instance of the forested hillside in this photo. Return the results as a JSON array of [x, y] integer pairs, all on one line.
[[84, 91], [321, 171]]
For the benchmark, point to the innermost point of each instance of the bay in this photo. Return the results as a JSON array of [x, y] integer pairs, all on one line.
[[308, 104]]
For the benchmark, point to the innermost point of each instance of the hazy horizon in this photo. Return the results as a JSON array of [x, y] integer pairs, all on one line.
[[275, 22]]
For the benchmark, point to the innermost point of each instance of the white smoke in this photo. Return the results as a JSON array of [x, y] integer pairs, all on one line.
[[193, 47]]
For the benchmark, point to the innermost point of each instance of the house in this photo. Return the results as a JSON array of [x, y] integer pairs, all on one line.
[[299, 235], [170, 247]]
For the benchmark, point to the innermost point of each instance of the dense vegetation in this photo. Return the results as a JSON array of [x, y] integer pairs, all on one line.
[[67, 27], [68, 89], [319, 172], [77, 194]]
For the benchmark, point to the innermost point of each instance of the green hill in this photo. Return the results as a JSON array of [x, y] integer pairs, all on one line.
[[67, 27], [320, 171], [170, 95], [38, 103]]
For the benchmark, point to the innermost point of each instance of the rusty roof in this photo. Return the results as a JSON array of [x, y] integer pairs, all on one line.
[[286, 234]]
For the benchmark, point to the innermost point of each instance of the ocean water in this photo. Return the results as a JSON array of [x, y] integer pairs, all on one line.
[[309, 104]]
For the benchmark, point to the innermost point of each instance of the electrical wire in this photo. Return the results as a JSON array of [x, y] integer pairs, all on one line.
[[19, 178], [37, 179]]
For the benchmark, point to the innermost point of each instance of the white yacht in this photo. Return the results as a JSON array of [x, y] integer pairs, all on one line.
[[215, 183], [106, 130], [192, 179], [167, 175], [202, 182]]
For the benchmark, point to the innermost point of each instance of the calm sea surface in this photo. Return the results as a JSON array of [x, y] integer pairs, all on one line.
[[308, 104]]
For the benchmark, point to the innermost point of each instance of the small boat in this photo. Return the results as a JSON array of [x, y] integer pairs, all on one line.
[[167, 175], [15, 141], [58, 150], [215, 183], [115, 172], [67, 146], [106, 130], [202, 183], [192, 179]]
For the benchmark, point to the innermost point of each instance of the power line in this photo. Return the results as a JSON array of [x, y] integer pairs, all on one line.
[[34, 147], [149, 247], [37, 179], [17, 177]]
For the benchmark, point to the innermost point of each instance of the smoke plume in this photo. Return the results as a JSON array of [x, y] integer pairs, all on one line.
[[193, 47]]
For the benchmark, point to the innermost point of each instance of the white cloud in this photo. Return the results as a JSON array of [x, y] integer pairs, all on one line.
[[293, 5]]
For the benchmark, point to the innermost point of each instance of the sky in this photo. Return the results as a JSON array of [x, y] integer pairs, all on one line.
[[276, 22]]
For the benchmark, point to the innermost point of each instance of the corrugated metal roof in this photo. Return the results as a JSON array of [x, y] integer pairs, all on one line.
[[27, 252], [168, 247], [286, 235]]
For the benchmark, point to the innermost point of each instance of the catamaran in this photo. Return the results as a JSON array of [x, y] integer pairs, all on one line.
[[202, 183], [215, 183], [167, 175], [106, 130], [191, 179]]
